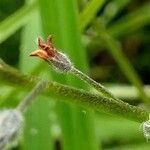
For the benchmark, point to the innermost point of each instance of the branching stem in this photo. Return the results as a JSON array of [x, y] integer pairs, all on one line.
[[98, 103]]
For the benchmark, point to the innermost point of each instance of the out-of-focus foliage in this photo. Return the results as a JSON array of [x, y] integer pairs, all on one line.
[[126, 22], [7, 8]]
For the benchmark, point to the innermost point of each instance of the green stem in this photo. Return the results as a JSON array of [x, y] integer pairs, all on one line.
[[98, 103], [93, 83]]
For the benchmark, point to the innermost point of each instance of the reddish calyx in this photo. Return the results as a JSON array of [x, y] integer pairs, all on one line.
[[46, 50]]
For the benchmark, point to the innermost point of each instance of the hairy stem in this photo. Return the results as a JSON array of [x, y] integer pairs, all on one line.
[[93, 83], [96, 102]]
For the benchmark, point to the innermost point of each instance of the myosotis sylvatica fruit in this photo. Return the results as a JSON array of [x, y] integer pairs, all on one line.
[[49, 53]]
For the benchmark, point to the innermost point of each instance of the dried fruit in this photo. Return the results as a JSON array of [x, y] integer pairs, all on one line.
[[50, 54]]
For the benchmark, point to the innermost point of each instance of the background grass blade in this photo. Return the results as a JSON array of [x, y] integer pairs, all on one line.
[[128, 24], [89, 12], [65, 29], [112, 9], [14, 22], [38, 122], [65, 117], [131, 22], [115, 50]]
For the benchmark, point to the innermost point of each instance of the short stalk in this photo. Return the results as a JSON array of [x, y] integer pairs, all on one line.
[[99, 87]]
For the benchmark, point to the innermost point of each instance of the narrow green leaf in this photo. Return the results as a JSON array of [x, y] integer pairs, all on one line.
[[14, 22], [112, 9], [89, 12], [37, 134], [65, 30], [131, 22], [115, 50]]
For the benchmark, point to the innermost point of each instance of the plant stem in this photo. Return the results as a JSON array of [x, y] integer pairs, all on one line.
[[93, 83], [98, 103], [30, 97]]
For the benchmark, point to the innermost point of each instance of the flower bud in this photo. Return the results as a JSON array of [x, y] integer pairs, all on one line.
[[10, 126]]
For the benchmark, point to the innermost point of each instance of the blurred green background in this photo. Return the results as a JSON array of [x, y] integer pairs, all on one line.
[[107, 39]]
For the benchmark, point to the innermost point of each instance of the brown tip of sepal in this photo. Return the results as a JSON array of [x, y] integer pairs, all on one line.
[[32, 54], [40, 53], [49, 40]]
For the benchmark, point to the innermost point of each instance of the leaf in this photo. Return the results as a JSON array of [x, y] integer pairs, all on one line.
[[14, 22]]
